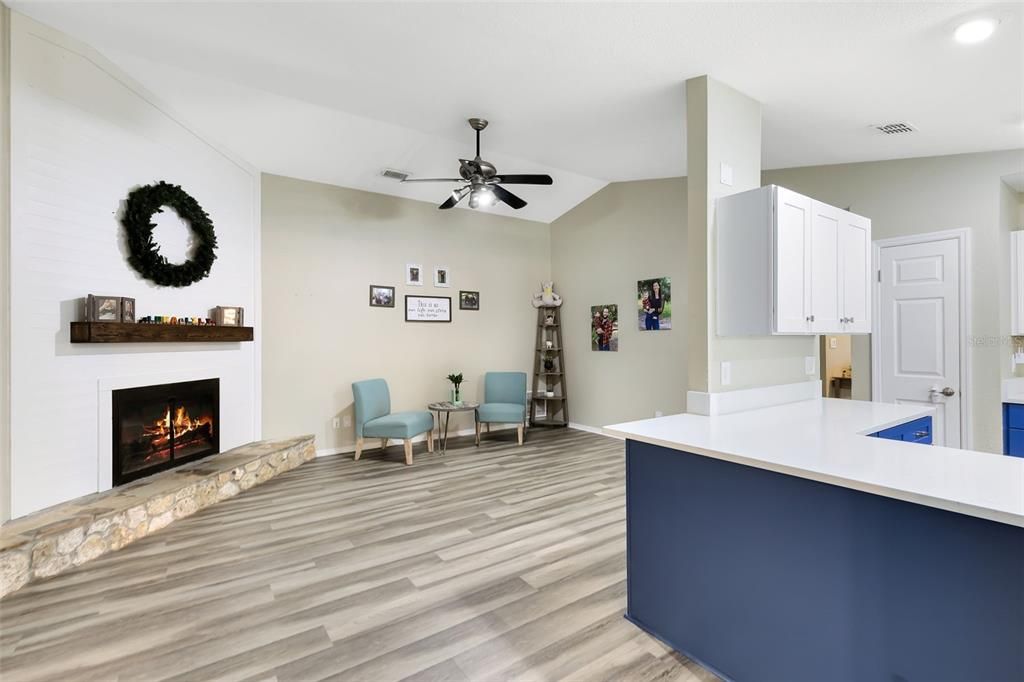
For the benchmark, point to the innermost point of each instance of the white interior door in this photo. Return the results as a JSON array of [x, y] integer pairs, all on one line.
[[855, 272], [919, 329], [792, 261], [824, 291]]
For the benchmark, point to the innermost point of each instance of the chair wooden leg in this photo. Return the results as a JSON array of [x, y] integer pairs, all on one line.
[[408, 451], [384, 443], [359, 447], [430, 440], [487, 426], [519, 430], [478, 433]]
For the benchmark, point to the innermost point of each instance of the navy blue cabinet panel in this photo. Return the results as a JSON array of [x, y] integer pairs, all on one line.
[[917, 431], [1014, 416], [1015, 443]]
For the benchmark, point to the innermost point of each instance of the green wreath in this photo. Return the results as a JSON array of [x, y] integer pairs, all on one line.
[[144, 253]]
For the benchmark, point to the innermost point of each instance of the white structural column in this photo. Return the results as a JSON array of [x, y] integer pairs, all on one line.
[[723, 155]]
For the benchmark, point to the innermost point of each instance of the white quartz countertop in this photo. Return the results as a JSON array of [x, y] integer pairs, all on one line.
[[826, 440]]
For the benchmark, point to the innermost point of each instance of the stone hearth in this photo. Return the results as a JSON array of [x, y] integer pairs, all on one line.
[[54, 540]]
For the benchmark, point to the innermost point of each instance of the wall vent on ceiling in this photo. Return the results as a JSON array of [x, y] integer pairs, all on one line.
[[894, 128], [394, 174]]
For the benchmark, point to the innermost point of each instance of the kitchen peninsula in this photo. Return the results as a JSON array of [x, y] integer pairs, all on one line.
[[785, 543]]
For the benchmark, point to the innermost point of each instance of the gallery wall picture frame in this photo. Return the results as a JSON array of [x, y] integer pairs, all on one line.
[[428, 308], [102, 308], [442, 277], [413, 274], [654, 304], [469, 300], [229, 316], [382, 296], [604, 327], [128, 310]]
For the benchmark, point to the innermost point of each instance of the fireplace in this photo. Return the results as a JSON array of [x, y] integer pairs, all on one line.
[[160, 427]]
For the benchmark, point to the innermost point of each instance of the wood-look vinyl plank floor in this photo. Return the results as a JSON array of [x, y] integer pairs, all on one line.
[[492, 563]]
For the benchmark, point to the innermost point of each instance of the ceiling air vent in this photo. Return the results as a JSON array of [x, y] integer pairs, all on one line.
[[894, 128], [393, 174]]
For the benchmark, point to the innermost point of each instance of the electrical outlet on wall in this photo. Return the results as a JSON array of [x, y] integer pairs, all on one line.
[[659, 413], [346, 421], [811, 365], [726, 373]]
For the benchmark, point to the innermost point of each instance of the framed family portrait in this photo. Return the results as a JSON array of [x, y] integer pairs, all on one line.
[[382, 296], [428, 308], [413, 274], [469, 300], [604, 327], [228, 316], [654, 304], [128, 310], [442, 277], [103, 308]]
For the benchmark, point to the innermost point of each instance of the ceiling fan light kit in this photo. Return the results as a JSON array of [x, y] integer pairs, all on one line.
[[481, 181]]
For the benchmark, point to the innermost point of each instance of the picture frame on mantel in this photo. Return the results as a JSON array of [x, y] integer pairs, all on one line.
[[102, 308], [229, 316], [428, 308]]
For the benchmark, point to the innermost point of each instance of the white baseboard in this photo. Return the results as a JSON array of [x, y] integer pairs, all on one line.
[[372, 443], [729, 402], [592, 429]]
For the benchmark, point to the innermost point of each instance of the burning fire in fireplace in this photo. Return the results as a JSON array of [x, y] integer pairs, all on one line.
[[160, 430]]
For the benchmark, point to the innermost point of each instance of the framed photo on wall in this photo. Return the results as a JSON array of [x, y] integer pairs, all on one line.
[[442, 277], [428, 308], [228, 316], [382, 296], [413, 274], [604, 327], [469, 300], [102, 308], [654, 304]]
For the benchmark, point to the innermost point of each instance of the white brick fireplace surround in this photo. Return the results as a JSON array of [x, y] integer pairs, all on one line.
[[83, 135]]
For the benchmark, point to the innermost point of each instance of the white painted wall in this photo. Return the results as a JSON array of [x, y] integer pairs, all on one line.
[[5, 289], [84, 135]]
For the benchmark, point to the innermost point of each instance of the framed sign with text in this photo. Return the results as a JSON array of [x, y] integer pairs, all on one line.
[[428, 308]]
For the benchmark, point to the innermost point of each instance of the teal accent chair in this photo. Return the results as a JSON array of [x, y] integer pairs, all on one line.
[[374, 418], [504, 402]]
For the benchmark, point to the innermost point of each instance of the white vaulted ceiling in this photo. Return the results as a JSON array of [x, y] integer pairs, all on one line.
[[589, 92]]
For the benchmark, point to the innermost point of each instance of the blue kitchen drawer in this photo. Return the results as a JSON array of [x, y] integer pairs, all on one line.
[[917, 431], [1015, 442], [1014, 416]]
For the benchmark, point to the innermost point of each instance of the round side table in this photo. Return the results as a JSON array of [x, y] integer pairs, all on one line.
[[446, 408]]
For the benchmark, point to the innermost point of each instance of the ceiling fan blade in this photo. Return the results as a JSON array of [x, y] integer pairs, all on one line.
[[509, 198], [433, 180], [454, 199], [525, 179]]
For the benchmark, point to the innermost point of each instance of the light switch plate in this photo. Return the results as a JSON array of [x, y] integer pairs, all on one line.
[[726, 373], [346, 421], [726, 173], [833, 343], [811, 365]]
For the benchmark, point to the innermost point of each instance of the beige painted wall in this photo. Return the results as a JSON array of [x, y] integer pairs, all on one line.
[[913, 196], [626, 232], [5, 236], [322, 248], [835, 360]]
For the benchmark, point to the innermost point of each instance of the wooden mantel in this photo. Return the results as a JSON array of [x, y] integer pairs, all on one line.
[[117, 332]]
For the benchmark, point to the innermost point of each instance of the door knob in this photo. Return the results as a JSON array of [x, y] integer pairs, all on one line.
[[947, 391]]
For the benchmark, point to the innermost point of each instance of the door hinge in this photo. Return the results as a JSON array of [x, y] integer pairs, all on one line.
[[879, 275]]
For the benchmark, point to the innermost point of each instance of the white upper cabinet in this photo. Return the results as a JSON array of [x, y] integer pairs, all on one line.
[[1017, 283], [788, 264]]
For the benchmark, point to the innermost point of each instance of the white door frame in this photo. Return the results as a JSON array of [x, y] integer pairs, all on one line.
[[963, 236]]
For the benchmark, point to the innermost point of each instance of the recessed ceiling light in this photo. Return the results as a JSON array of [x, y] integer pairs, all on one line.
[[974, 31]]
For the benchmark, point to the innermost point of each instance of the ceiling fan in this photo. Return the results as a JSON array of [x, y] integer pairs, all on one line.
[[481, 180]]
